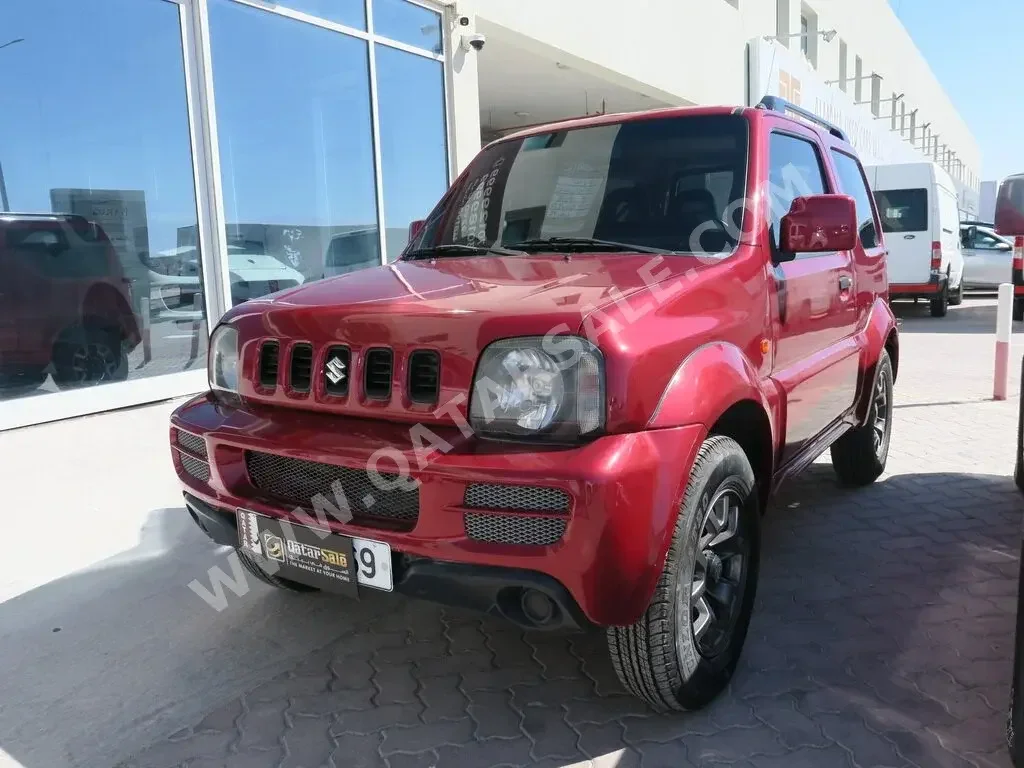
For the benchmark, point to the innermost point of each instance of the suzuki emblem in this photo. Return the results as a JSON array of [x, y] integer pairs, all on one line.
[[335, 370]]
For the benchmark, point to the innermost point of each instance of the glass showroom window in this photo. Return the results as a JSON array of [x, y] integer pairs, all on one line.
[[408, 23], [100, 277], [414, 154], [296, 149]]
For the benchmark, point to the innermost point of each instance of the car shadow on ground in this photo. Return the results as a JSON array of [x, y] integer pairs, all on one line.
[[977, 314], [882, 636], [105, 661]]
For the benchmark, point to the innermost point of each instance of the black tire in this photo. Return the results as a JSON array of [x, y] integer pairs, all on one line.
[[20, 381], [660, 658], [940, 304], [1018, 308], [859, 456], [253, 566], [956, 298], [87, 355]]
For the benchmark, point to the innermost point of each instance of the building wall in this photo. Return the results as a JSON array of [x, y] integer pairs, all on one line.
[[693, 50]]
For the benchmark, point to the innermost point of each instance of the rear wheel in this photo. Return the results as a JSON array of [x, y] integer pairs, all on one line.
[[940, 304], [253, 566], [684, 649], [1018, 308], [89, 354], [859, 456]]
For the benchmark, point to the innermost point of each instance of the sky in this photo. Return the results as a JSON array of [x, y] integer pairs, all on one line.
[[975, 49]]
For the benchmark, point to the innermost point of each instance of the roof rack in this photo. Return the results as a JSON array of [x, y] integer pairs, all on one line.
[[777, 104]]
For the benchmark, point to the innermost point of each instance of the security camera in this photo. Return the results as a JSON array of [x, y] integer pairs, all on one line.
[[475, 42], [463, 21]]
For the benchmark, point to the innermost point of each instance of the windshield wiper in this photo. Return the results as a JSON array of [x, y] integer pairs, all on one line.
[[567, 244], [459, 249]]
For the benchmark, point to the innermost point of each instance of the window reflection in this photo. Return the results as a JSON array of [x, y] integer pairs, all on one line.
[[351, 13], [296, 153], [414, 153], [408, 23], [98, 182]]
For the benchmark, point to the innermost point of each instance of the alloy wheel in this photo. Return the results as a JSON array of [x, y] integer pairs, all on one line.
[[880, 424], [719, 574], [94, 361]]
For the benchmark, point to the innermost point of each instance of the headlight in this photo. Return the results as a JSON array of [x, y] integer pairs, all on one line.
[[222, 363], [550, 388]]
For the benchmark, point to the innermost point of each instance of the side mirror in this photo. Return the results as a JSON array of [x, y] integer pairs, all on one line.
[[416, 228], [819, 224]]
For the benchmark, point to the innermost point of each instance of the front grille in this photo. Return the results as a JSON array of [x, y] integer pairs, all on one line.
[[377, 377], [302, 367], [200, 470], [514, 529], [269, 357], [525, 498], [424, 376], [337, 371], [298, 482], [191, 443]]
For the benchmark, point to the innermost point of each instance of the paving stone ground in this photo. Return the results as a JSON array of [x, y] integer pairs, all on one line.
[[882, 634]]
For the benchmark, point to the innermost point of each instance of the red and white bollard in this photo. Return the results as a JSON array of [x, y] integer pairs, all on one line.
[[1004, 329]]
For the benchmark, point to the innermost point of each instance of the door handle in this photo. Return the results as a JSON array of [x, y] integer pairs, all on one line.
[[845, 282]]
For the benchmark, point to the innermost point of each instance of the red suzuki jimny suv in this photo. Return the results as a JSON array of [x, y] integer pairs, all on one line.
[[570, 399]]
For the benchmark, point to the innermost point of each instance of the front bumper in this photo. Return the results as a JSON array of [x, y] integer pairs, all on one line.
[[624, 493]]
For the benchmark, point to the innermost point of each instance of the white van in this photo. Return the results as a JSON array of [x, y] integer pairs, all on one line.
[[917, 204]]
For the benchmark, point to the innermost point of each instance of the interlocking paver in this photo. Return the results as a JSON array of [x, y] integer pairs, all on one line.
[[882, 634]]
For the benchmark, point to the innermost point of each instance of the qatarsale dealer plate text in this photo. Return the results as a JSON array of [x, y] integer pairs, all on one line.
[[314, 557]]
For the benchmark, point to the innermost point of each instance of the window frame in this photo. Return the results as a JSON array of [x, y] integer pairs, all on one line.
[[879, 245], [778, 255]]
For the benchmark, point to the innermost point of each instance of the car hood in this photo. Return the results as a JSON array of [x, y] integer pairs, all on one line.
[[474, 290], [454, 306]]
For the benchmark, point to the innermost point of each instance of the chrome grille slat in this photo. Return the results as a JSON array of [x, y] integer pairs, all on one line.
[[524, 498], [514, 529], [298, 482]]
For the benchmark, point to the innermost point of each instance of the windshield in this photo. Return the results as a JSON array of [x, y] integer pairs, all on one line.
[[672, 183], [903, 210]]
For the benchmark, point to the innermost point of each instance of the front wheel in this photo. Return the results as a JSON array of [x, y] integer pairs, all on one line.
[[956, 298], [859, 456], [684, 649]]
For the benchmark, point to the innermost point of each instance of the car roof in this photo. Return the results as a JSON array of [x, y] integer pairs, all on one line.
[[613, 118]]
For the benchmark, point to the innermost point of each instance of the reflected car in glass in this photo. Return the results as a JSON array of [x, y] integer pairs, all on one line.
[[570, 399], [65, 304]]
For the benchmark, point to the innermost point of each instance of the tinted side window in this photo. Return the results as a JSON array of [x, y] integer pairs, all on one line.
[[794, 171], [852, 183], [903, 210]]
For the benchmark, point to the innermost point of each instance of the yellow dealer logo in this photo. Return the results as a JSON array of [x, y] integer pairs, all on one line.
[[273, 547]]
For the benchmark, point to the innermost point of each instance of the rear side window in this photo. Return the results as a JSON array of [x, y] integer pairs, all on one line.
[[903, 210], [852, 183], [794, 171]]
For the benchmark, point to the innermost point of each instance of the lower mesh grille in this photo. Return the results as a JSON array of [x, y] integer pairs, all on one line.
[[514, 529], [200, 470], [192, 443], [298, 482], [525, 498]]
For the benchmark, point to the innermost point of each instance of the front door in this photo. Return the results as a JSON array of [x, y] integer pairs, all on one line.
[[816, 360]]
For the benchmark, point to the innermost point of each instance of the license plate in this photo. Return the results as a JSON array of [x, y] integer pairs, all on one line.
[[315, 557]]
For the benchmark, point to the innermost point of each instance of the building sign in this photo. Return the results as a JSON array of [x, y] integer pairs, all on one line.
[[774, 70]]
